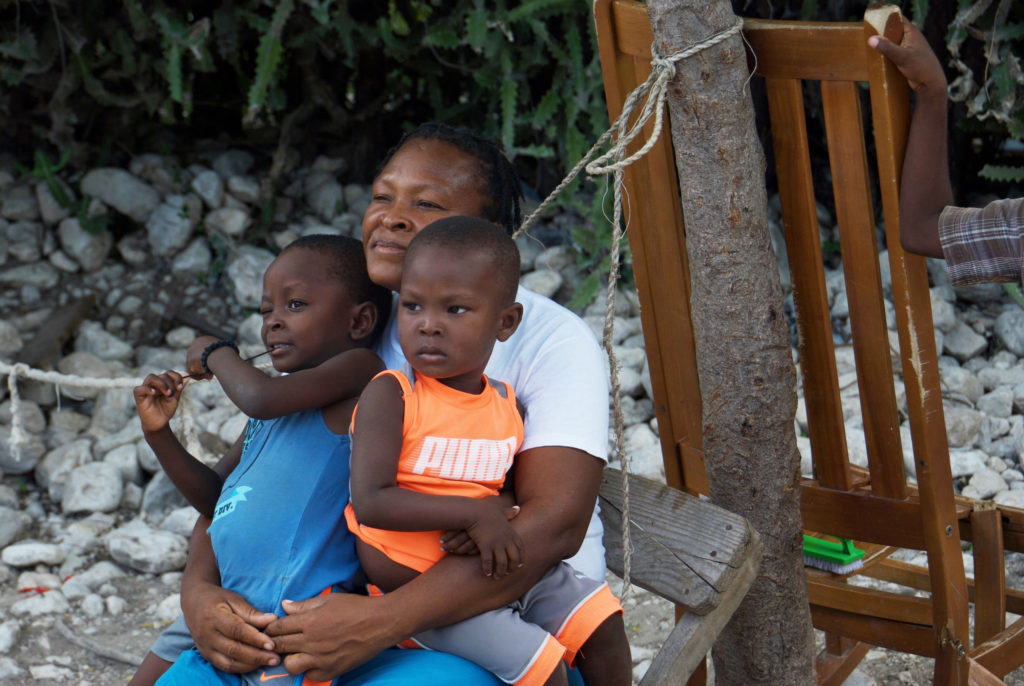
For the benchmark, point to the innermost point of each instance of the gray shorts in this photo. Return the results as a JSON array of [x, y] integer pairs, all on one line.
[[174, 641], [530, 636]]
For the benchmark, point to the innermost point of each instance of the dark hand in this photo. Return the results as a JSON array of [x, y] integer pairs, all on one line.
[[332, 634], [157, 399], [227, 630], [501, 549], [914, 58], [458, 542]]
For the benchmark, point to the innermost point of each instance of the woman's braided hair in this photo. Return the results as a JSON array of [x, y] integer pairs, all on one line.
[[499, 180]]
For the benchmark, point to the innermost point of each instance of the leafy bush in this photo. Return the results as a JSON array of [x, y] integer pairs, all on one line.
[[92, 75]]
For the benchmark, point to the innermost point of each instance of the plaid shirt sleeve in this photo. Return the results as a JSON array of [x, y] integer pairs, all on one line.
[[984, 244]]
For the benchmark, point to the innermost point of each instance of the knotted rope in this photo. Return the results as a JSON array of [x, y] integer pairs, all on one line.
[[653, 92]]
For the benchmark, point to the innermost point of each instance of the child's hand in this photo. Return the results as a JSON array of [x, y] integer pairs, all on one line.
[[914, 58], [501, 549], [458, 541], [194, 357], [157, 399]]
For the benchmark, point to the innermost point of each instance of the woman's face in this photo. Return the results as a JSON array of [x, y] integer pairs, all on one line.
[[424, 181]]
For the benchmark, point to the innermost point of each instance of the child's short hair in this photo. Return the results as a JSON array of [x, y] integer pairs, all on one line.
[[472, 235], [499, 182], [348, 265]]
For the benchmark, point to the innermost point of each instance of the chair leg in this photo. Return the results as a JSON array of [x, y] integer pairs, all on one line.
[[989, 572], [838, 659]]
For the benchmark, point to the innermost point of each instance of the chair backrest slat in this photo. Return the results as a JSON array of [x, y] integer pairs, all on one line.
[[856, 218]]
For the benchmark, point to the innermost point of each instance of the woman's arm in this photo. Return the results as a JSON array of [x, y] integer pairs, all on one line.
[[556, 489], [264, 397]]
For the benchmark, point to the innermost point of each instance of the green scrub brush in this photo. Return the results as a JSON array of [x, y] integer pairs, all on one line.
[[838, 556]]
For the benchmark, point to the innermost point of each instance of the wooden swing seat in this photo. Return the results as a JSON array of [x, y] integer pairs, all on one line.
[[877, 506], [685, 549]]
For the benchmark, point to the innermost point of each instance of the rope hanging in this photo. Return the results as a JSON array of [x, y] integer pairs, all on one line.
[[653, 92]]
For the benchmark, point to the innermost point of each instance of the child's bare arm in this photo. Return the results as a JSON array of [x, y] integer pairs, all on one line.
[[379, 502], [156, 400], [925, 187], [264, 397]]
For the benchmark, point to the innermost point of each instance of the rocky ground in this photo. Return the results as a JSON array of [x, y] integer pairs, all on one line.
[[92, 535]]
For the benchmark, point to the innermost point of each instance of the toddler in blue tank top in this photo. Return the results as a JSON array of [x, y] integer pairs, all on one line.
[[276, 498]]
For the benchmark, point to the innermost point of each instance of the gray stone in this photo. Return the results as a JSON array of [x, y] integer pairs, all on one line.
[[245, 188], [159, 496], [146, 457], [9, 632], [84, 363], [92, 605], [210, 187], [29, 413], [233, 163], [169, 608], [246, 274], [546, 282], [25, 241], [997, 403], [52, 471], [249, 331], [131, 433], [233, 428], [14, 525], [93, 338], [986, 483], [32, 553], [90, 250], [229, 220], [180, 521], [115, 605], [966, 462], [1009, 329], [959, 382], [9, 669], [963, 342], [134, 248], [963, 425], [326, 198], [22, 457], [52, 602], [180, 337], [92, 487], [122, 191], [644, 451], [38, 274], [993, 377], [555, 258], [19, 204], [170, 226], [1012, 498], [943, 313], [62, 261], [50, 210], [145, 549], [196, 258], [10, 339]]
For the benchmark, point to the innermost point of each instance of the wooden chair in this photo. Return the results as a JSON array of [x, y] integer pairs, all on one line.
[[687, 550], [875, 506]]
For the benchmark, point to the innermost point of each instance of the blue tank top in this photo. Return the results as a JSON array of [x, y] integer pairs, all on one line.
[[279, 531]]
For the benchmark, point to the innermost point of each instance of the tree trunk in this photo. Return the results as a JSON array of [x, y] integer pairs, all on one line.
[[747, 376]]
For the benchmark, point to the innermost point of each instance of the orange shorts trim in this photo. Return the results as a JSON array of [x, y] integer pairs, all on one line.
[[547, 660], [601, 605]]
